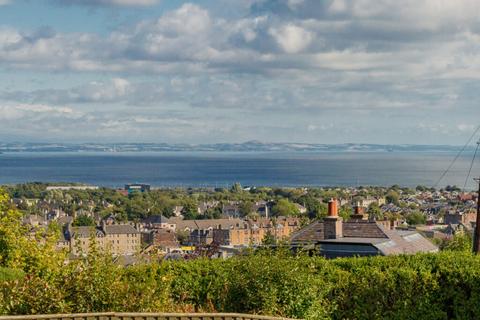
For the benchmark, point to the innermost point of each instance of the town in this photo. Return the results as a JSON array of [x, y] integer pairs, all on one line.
[[139, 222]]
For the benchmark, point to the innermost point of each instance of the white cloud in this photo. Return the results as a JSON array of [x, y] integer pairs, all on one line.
[[35, 112], [466, 127], [292, 38]]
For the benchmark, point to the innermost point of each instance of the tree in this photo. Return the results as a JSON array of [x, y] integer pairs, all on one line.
[[246, 208], [182, 236], [374, 211], [20, 248], [268, 239], [237, 188], [190, 210], [392, 197], [345, 212], [315, 208], [83, 220], [459, 242], [416, 217], [212, 213], [421, 188], [285, 208]]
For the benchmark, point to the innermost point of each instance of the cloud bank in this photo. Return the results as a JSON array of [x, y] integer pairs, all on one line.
[[405, 68]]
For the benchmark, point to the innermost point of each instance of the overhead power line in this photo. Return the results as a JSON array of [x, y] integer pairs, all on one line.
[[456, 157], [471, 166]]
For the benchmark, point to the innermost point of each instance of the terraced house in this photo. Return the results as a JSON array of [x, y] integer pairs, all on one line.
[[119, 239]]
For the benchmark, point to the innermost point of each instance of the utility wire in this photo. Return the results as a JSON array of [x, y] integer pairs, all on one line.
[[471, 165], [456, 158]]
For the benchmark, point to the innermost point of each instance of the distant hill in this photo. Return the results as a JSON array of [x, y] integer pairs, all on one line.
[[250, 146]]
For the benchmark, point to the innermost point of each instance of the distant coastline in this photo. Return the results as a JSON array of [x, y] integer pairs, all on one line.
[[222, 169], [251, 146]]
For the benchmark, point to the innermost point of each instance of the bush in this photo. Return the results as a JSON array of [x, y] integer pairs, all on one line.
[[426, 286], [7, 274]]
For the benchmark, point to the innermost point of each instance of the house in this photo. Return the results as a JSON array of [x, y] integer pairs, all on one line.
[[333, 237], [460, 217], [204, 206], [235, 231], [200, 231], [119, 239], [55, 214], [34, 220], [155, 222], [458, 228], [177, 211], [254, 231], [300, 208], [366, 202], [231, 210], [263, 208], [163, 239]]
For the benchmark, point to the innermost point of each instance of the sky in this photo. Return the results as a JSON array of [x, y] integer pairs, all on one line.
[[211, 71]]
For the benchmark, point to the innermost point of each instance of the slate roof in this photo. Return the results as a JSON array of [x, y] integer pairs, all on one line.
[[156, 219], [208, 223], [33, 219], [309, 234], [388, 242], [401, 242], [362, 229], [64, 220], [86, 232], [120, 229]]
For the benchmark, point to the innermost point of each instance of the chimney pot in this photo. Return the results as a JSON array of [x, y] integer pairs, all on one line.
[[358, 210], [333, 208]]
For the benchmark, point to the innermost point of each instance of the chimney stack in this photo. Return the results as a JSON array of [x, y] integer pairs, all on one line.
[[332, 224], [358, 212]]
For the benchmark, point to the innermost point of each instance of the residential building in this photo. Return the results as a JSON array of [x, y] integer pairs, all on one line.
[[177, 211], [366, 202], [333, 237], [254, 231], [156, 222], [231, 209], [164, 240], [119, 239], [456, 217]]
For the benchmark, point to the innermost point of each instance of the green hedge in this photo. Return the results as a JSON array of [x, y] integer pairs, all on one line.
[[429, 286], [7, 274]]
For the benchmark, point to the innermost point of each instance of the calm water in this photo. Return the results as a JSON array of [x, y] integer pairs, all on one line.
[[222, 169]]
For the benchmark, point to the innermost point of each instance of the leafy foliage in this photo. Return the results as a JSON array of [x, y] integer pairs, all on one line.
[[416, 218], [84, 220], [285, 208]]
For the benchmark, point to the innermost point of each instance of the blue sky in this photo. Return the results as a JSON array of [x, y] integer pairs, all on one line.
[[333, 71]]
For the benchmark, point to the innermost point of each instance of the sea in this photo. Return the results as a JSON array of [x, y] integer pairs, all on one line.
[[222, 169]]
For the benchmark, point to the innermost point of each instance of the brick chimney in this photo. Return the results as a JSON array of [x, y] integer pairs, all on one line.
[[359, 212], [332, 224]]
